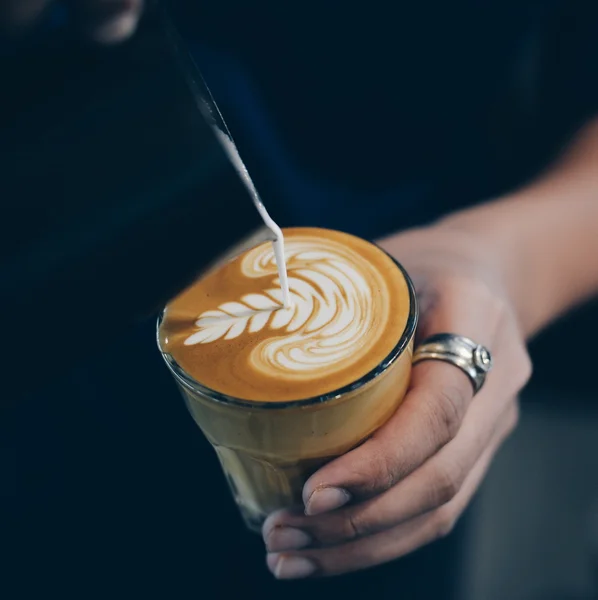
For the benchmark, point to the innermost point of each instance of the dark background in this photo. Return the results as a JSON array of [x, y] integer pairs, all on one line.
[[108, 486]]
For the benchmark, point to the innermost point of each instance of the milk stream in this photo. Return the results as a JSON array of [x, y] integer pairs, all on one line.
[[278, 243]]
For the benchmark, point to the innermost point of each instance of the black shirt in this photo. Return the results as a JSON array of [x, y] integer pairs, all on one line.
[[420, 107]]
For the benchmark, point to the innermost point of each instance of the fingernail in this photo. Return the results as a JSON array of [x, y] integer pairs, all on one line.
[[326, 499], [287, 538], [290, 567]]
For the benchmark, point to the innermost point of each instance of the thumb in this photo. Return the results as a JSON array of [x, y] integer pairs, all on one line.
[[429, 417]]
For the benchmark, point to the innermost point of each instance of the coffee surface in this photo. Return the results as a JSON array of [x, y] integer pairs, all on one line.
[[350, 305]]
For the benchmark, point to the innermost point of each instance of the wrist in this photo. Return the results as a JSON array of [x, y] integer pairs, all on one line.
[[543, 237], [543, 244], [497, 234]]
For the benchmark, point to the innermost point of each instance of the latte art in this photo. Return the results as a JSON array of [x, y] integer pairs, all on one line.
[[329, 315], [349, 307]]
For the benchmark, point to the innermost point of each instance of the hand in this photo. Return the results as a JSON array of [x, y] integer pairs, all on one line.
[[103, 21], [409, 483]]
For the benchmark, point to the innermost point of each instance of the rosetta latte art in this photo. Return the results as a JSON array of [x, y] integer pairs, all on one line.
[[331, 290]]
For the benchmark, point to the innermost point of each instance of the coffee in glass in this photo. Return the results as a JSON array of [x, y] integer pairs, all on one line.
[[281, 391]]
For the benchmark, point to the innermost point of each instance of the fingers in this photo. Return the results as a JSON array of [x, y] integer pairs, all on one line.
[[107, 21], [390, 544], [434, 484], [432, 412], [413, 477], [429, 417]]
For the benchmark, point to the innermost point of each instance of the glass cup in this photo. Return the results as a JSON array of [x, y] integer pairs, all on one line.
[[268, 450]]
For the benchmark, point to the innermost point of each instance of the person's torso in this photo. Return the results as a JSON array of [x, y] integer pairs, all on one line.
[[373, 95]]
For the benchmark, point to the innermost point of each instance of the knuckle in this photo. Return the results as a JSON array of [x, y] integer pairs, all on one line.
[[355, 526], [521, 370], [447, 412], [447, 483], [387, 472], [338, 528], [444, 523], [525, 369], [482, 290], [513, 417], [382, 469]]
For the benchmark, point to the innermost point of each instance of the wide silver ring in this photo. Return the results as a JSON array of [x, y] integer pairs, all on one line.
[[473, 359]]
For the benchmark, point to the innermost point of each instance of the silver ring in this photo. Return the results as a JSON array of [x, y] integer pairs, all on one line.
[[473, 359]]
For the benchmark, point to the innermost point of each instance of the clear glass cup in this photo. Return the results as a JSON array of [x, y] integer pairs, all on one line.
[[268, 450]]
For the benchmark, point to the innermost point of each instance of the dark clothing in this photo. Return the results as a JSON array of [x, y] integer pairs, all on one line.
[[371, 118]]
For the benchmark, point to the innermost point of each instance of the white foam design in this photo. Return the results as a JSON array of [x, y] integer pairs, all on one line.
[[331, 291]]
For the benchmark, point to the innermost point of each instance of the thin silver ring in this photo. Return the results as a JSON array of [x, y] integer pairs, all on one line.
[[473, 359]]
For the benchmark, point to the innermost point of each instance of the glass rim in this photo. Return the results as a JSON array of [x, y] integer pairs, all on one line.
[[191, 383]]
